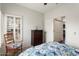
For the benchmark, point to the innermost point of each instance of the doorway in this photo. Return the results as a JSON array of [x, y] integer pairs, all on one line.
[[59, 31]]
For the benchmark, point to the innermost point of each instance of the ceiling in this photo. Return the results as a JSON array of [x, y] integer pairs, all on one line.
[[40, 7]]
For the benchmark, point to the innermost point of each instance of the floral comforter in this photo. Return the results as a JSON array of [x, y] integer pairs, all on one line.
[[51, 49]]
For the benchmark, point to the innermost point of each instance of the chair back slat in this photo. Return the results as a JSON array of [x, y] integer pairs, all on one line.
[[9, 38]]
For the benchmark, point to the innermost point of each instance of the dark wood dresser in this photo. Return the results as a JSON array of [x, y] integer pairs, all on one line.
[[36, 37]]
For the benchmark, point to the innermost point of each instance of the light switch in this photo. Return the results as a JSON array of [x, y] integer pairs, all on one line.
[[75, 33]]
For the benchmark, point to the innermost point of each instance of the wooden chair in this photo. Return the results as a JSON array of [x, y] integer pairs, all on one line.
[[11, 47]]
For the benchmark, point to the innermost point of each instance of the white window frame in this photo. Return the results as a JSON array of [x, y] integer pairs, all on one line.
[[21, 21]]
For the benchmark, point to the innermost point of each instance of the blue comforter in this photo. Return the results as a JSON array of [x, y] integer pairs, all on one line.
[[51, 49]]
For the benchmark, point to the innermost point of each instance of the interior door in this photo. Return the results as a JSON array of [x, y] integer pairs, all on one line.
[[0, 28], [58, 30]]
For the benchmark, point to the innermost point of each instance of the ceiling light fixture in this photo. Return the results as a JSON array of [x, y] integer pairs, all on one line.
[[45, 3], [56, 3]]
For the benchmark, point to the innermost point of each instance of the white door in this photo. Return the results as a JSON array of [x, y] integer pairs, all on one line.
[[0, 28], [58, 30]]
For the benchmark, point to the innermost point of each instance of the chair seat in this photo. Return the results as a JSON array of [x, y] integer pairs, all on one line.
[[14, 45]]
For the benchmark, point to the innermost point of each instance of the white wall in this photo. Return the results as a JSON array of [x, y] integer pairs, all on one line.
[[71, 13], [31, 19]]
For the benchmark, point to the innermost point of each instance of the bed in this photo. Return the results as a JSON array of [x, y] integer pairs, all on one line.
[[51, 49]]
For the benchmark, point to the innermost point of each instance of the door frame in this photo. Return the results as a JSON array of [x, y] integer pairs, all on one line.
[[55, 19]]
